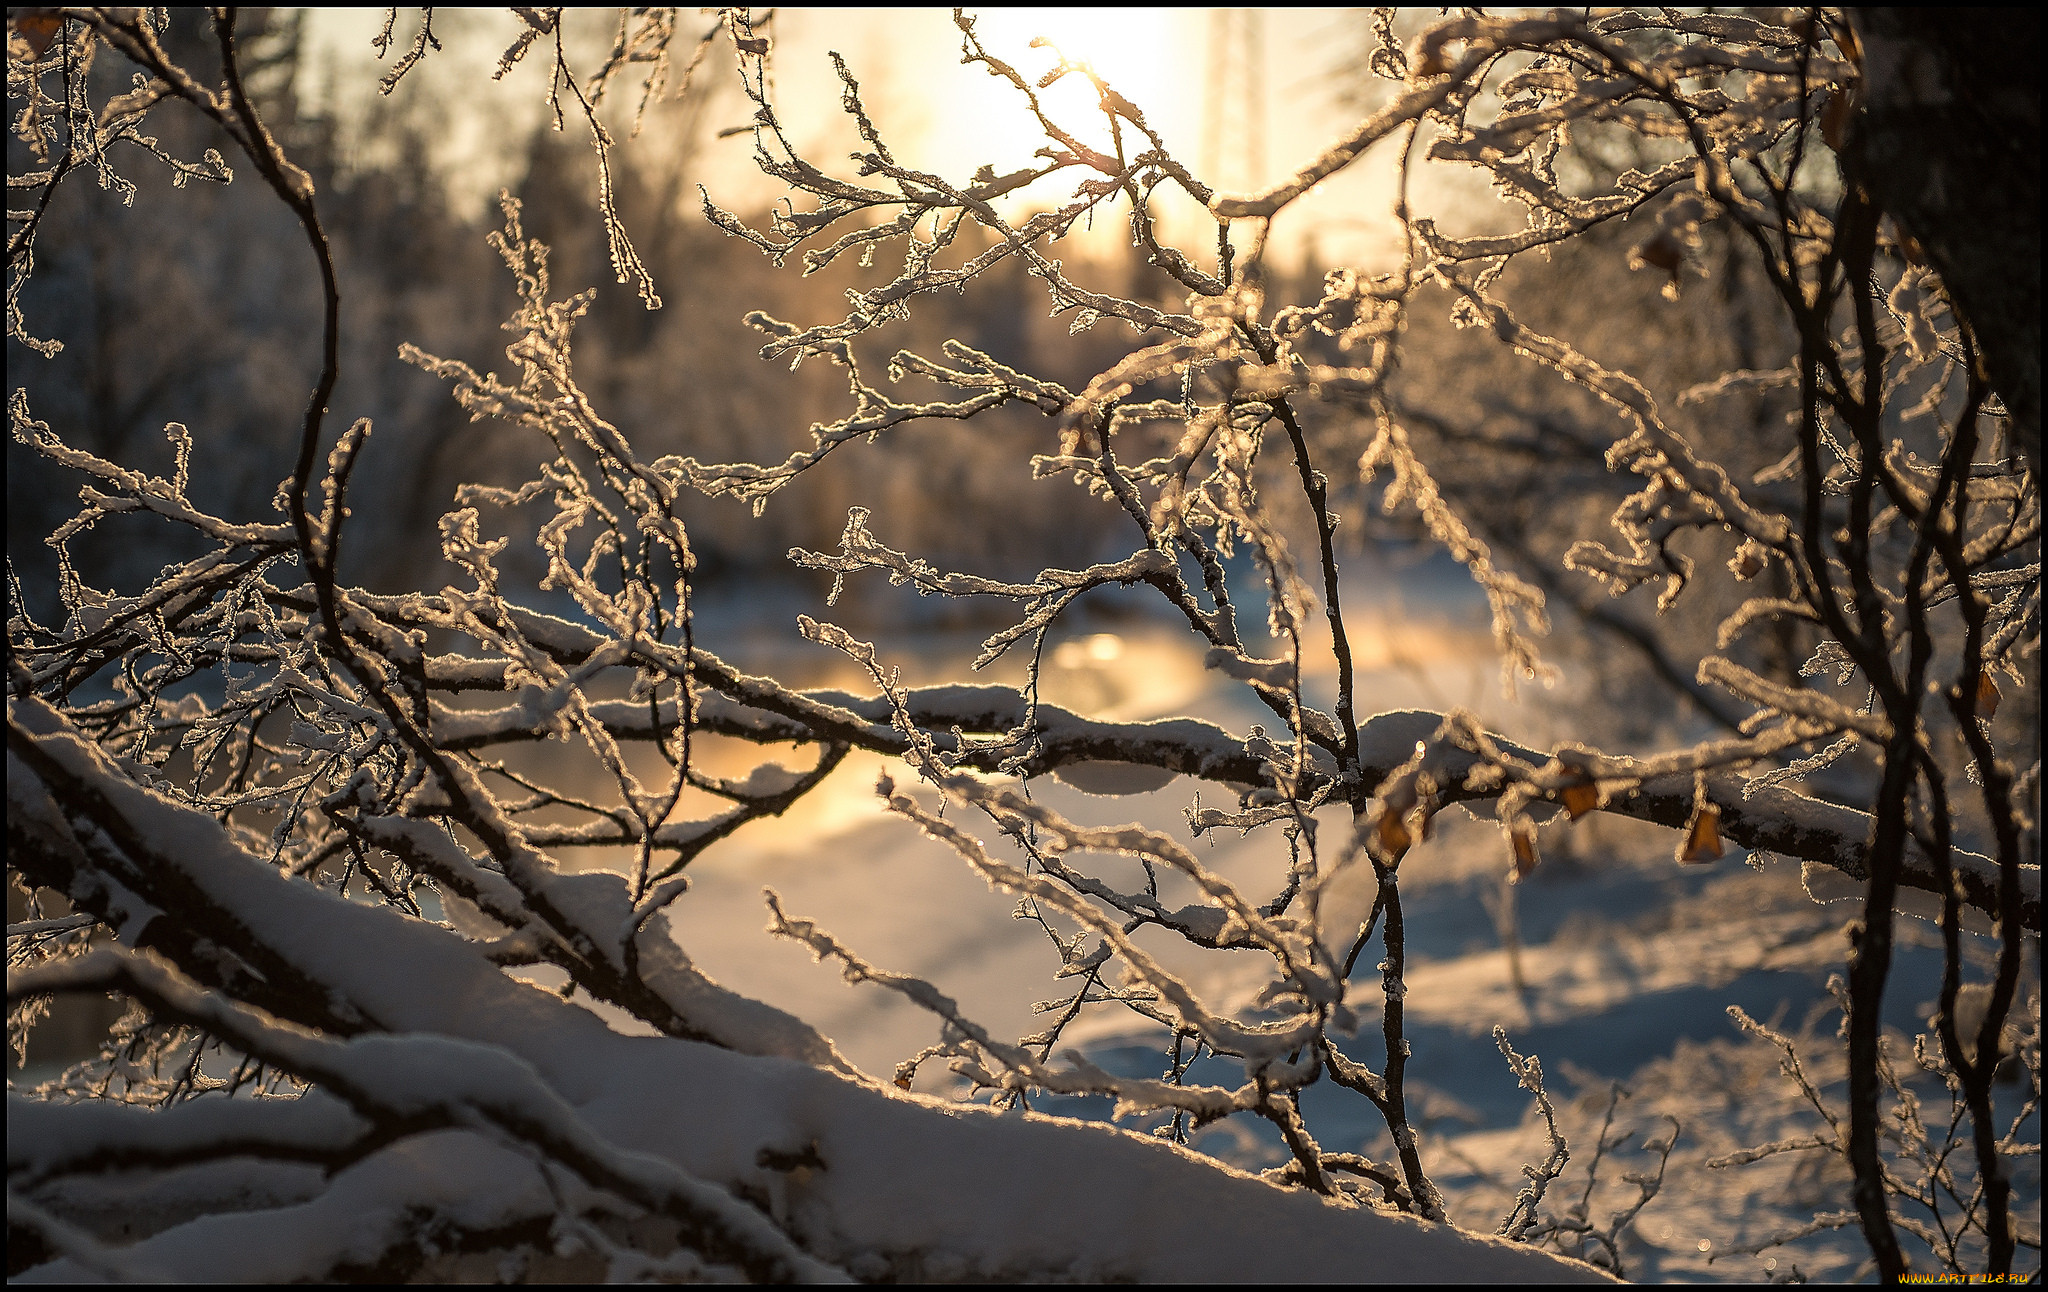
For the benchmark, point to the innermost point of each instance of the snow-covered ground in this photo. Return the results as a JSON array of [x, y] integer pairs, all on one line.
[[1628, 963], [1624, 969]]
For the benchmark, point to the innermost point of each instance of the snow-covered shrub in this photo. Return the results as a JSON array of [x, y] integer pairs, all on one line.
[[274, 813]]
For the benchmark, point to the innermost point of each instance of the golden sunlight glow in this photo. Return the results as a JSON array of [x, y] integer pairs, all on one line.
[[1130, 48], [1135, 50], [1149, 56]]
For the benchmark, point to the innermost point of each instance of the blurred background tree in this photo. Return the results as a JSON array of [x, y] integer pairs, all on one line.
[[1677, 321]]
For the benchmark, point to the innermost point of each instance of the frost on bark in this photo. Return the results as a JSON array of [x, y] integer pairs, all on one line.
[[279, 814]]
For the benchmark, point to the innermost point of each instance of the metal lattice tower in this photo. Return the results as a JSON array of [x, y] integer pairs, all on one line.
[[1234, 105]]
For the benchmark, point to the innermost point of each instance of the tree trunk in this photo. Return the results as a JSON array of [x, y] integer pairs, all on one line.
[[1949, 143]]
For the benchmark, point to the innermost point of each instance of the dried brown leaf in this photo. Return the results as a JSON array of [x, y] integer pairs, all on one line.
[[37, 29], [1988, 696], [1523, 840], [1702, 836], [1580, 798], [1835, 116], [1393, 832]]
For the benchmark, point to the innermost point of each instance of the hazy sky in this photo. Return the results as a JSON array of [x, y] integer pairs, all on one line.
[[936, 114]]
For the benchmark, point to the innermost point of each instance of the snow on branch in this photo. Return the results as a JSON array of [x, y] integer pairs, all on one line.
[[290, 821]]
